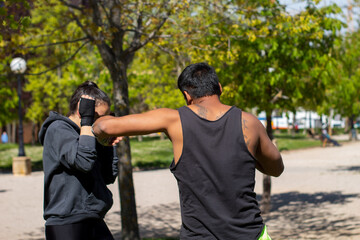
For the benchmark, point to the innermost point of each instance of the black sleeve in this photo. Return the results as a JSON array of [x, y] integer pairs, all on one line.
[[73, 151], [109, 162]]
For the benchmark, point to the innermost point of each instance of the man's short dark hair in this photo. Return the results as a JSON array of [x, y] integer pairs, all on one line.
[[199, 80]]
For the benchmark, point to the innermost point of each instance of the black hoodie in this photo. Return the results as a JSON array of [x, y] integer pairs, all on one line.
[[76, 171]]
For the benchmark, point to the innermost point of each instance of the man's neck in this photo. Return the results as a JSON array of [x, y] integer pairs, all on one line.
[[207, 101], [209, 107]]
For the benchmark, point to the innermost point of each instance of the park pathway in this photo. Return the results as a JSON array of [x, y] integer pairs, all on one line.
[[317, 197]]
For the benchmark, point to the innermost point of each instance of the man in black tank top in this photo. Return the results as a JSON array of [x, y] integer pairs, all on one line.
[[216, 151]]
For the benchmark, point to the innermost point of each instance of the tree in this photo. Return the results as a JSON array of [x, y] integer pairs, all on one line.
[[266, 58], [14, 18], [118, 30], [344, 95], [269, 58]]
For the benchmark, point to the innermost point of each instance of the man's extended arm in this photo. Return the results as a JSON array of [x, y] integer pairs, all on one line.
[[136, 124]]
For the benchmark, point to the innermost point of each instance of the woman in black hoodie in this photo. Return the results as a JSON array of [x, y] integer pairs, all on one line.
[[77, 169]]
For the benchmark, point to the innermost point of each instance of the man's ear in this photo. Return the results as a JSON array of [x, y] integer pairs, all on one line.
[[221, 90], [188, 98]]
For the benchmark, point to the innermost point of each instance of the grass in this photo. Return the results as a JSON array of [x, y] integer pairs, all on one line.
[[10, 150], [151, 152], [299, 141]]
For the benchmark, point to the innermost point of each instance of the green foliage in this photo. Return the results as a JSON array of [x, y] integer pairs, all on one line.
[[343, 93], [52, 91], [265, 57], [153, 81], [14, 17], [242, 39], [283, 55], [14, 20], [9, 101], [72, 63]]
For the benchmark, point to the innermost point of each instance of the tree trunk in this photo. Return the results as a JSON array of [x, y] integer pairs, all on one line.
[[293, 131], [13, 132], [353, 135], [347, 126], [129, 222], [269, 125], [33, 134], [266, 197], [162, 136], [9, 132], [117, 66], [288, 125], [330, 131]]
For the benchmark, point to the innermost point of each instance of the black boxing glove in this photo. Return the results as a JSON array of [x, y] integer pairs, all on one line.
[[87, 111]]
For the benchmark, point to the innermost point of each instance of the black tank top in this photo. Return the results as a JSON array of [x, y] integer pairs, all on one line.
[[216, 178]]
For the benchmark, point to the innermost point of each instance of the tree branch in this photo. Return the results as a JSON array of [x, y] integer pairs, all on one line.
[[72, 5], [96, 13], [89, 36], [136, 44], [57, 43], [61, 63]]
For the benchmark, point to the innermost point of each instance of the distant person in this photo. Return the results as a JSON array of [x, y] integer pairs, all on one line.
[[326, 136], [4, 137], [216, 150], [77, 169]]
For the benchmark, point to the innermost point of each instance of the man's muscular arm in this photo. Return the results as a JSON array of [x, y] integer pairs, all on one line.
[[269, 160], [135, 124]]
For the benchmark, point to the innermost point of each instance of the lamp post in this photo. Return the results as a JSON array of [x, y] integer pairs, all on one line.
[[18, 66], [21, 164]]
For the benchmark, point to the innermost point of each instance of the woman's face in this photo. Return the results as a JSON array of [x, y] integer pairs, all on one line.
[[101, 109]]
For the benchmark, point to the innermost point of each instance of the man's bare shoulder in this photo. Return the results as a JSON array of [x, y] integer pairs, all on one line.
[[164, 115], [250, 119], [166, 112], [250, 128]]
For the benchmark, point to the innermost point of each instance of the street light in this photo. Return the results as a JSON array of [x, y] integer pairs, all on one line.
[[18, 66]]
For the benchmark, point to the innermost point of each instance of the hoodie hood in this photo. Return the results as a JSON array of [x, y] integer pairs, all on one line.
[[54, 116]]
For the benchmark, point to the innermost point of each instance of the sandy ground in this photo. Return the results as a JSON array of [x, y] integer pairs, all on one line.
[[317, 197]]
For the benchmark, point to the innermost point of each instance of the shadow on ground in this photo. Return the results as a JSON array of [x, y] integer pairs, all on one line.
[[355, 169], [293, 215], [297, 215], [38, 234], [160, 221]]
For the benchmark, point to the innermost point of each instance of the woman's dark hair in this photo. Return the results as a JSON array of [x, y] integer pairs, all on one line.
[[91, 89], [199, 80]]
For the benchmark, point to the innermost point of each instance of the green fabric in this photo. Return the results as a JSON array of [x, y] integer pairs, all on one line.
[[264, 235]]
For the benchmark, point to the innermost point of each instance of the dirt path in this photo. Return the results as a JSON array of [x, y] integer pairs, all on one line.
[[317, 197]]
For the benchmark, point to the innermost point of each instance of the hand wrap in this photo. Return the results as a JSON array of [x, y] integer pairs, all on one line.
[[87, 111]]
